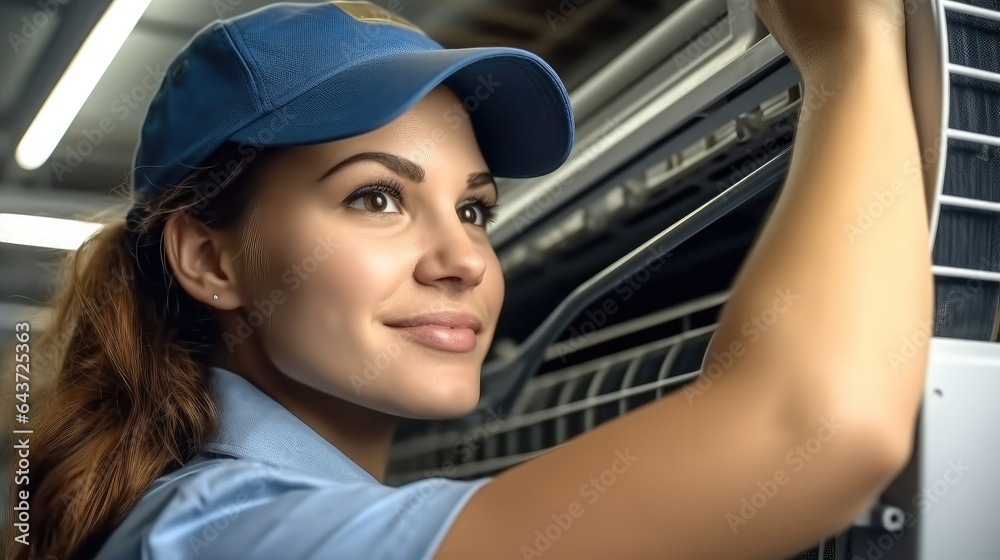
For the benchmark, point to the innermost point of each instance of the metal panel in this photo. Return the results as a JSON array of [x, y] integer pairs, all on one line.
[[958, 497]]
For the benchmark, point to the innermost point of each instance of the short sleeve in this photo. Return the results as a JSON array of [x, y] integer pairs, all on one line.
[[239, 509]]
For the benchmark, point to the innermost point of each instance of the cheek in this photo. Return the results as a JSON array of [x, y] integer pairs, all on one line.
[[334, 295], [365, 277], [494, 284], [349, 282]]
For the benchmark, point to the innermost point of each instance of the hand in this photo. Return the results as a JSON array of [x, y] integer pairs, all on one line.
[[824, 35]]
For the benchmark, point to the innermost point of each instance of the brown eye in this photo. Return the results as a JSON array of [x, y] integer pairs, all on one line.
[[378, 202], [471, 214], [478, 212], [375, 203]]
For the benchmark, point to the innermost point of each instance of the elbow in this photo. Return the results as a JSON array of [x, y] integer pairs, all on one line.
[[865, 457], [886, 451], [876, 446], [874, 435], [870, 441], [900, 442]]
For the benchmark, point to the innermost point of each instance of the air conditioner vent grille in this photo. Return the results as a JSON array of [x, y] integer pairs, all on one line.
[[967, 244]]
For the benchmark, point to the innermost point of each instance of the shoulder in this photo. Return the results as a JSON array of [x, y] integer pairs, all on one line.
[[240, 508], [200, 490]]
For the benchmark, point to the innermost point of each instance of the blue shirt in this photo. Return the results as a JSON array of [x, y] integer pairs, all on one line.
[[266, 486]]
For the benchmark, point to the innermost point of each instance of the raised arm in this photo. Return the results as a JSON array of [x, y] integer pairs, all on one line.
[[797, 434]]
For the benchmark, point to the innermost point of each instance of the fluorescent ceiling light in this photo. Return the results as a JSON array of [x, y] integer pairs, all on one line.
[[39, 231], [77, 83]]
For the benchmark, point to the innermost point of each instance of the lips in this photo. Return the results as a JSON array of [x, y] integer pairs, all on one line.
[[447, 331], [450, 319]]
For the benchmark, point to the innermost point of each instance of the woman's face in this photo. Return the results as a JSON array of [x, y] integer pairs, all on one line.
[[383, 286]]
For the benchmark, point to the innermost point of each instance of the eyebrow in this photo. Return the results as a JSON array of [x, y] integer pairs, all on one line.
[[406, 168]]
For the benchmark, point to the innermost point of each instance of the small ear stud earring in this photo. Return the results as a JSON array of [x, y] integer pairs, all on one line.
[[215, 296]]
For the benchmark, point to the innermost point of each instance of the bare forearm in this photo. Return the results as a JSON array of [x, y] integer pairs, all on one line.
[[847, 246]]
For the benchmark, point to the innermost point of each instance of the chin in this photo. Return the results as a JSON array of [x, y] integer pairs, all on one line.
[[435, 401]]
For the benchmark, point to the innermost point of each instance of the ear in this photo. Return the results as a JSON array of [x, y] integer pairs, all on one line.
[[202, 261]]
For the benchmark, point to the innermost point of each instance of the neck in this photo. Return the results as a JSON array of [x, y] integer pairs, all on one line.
[[362, 434]]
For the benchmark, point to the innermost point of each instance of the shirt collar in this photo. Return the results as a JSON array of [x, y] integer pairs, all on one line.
[[252, 425]]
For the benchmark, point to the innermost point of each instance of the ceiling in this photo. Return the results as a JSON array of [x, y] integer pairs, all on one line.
[[577, 37]]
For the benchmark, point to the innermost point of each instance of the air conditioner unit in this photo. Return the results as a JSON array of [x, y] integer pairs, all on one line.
[[686, 134]]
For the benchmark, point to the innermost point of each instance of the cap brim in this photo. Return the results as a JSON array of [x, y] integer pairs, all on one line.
[[519, 109]]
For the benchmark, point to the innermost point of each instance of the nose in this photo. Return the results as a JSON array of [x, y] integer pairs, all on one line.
[[452, 257]]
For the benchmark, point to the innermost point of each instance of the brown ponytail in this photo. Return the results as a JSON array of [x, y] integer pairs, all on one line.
[[126, 349]]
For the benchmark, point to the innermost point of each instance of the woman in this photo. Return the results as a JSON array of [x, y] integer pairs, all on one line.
[[307, 260]]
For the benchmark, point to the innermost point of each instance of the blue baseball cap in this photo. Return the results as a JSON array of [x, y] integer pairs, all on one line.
[[293, 74]]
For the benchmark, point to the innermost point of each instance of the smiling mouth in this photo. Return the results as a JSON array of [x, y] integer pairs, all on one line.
[[450, 331], [441, 337]]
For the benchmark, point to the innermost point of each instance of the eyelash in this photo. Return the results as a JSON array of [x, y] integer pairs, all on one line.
[[394, 188]]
